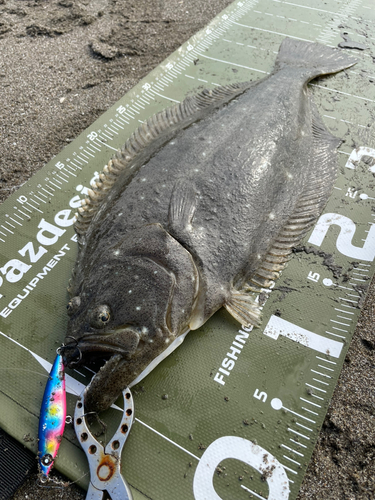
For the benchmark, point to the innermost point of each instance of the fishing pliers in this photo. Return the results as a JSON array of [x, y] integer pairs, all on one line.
[[105, 462]]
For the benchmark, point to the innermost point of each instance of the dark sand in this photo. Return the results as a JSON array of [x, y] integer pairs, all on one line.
[[62, 64]]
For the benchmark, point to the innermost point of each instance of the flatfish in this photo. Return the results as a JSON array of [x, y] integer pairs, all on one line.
[[199, 210]]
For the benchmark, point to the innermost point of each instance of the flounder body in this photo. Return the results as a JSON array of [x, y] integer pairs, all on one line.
[[199, 210]]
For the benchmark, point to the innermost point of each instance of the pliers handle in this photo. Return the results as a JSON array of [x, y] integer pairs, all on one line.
[[105, 463]]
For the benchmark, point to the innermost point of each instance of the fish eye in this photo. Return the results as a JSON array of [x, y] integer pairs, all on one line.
[[101, 316], [73, 305]]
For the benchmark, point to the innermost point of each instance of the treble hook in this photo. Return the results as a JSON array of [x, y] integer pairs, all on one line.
[[71, 337], [72, 363]]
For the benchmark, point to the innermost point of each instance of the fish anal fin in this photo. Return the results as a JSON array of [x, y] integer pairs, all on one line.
[[242, 306], [321, 135], [324, 168]]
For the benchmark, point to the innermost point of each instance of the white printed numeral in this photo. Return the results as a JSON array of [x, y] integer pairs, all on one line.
[[313, 276], [22, 199], [262, 396], [247, 452], [92, 135], [344, 240], [351, 192]]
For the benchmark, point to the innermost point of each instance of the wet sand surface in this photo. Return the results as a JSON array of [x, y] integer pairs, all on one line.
[[62, 64]]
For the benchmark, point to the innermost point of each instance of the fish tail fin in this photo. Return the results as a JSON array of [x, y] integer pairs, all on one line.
[[313, 59]]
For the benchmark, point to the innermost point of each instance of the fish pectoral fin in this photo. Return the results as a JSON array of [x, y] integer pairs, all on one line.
[[182, 207], [243, 308]]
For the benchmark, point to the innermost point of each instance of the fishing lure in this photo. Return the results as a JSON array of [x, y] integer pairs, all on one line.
[[52, 417]]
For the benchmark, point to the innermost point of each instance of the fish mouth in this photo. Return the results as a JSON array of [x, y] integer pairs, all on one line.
[[76, 351]]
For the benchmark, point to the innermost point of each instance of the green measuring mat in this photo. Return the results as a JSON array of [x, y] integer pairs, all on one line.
[[232, 412]]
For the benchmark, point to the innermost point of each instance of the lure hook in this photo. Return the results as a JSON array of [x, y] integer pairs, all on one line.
[[61, 348], [73, 363]]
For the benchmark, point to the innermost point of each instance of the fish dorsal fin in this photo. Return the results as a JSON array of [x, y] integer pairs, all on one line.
[[310, 204], [143, 143]]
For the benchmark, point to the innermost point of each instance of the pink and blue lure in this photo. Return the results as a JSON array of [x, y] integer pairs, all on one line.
[[52, 417]]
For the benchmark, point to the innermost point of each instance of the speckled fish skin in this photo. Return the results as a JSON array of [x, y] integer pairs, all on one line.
[[199, 216]]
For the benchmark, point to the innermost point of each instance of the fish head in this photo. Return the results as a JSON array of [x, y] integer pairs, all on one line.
[[121, 305], [133, 300]]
